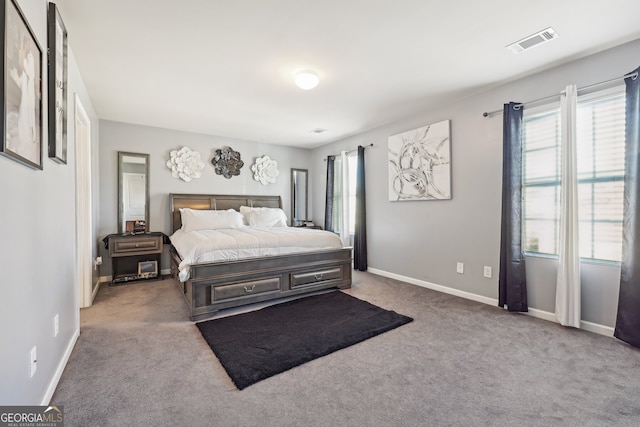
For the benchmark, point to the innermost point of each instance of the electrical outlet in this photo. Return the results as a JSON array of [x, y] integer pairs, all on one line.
[[460, 268], [56, 325], [487, 272], [33, 361]]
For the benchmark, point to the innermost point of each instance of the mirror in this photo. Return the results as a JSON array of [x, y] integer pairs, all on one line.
[[133, 192], [299, 189]]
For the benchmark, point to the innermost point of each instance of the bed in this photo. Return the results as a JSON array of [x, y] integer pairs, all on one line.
[[214, 285]]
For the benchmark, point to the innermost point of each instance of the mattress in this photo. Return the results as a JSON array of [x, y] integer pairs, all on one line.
[[204, 246]]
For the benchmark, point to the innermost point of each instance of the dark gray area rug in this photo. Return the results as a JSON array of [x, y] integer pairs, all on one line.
[[259, 344]]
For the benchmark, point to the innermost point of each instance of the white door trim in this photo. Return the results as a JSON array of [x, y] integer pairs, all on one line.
[[84, 251]]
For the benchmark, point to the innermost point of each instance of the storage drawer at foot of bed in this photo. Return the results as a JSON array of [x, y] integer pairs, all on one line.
[[245, 289], [315, 277]]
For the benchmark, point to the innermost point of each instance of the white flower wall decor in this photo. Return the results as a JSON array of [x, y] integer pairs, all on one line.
[[185, 164], [265, 170]]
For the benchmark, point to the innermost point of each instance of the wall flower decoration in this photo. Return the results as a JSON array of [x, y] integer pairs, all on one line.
[[185, 164], [265, 170], [226, 162]]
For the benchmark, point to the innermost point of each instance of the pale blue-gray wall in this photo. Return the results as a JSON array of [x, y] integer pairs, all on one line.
[[38, 249], [158, 143], [423, 240]]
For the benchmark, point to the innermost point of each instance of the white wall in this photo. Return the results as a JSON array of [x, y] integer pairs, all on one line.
[[423, 240], [158, 143], [37, 252]]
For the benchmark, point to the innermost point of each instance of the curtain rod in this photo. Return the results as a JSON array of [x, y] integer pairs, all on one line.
[[350, 151], [634, 75]]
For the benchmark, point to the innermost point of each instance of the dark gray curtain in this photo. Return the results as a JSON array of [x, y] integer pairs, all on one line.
[[512, 284], [328, 205], [360, 236], [628, 319]]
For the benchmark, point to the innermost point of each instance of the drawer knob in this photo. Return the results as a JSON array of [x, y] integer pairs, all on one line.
[[137, 245], [249, 290], [318, 276]]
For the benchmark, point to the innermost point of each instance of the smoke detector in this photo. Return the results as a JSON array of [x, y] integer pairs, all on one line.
[[317, 130], [533, 40]]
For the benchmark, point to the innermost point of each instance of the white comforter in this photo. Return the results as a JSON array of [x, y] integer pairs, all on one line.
[[247, 242]]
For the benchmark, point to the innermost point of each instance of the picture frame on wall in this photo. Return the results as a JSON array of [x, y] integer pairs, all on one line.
[[21, 106], [57, 85], [420, 163]]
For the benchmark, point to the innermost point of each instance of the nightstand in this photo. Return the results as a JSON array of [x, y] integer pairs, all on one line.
[[135, 256], [311, 227], [307, 224]]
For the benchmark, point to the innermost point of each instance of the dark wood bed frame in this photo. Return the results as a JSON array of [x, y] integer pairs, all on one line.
[[219, 285]]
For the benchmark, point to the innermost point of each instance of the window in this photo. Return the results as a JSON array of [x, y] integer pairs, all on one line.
[[541, 181], [352, 168], [339, 202], [600, 151], [337, 196]]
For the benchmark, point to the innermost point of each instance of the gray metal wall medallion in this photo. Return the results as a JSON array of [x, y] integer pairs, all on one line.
[[226, 162]]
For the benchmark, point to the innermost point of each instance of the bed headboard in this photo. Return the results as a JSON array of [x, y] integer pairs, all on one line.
[[216, 202]]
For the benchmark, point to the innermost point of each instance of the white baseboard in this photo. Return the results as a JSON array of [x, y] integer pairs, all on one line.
[[541, 314], [597, 328], [585, 325], [436, 287], [63, 363], [96, 288], [534, 312]]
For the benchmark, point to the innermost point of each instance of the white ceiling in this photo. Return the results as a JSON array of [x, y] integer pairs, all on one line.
[[225, 67]]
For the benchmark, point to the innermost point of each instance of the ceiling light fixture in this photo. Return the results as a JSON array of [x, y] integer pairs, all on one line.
[[306, 79]]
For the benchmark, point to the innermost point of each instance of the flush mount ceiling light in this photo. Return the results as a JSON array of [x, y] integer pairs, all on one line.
[[306, 79]]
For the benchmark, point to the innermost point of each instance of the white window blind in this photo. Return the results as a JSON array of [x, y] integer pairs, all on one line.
[[541, 181], [338, 208], [600, 136], [353, 169], [337, 195]]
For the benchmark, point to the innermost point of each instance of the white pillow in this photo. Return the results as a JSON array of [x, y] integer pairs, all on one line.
[[196, 219], [244, 210], [265, 217]]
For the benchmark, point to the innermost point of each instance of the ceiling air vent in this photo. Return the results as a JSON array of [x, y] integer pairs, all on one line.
[[533, 40]]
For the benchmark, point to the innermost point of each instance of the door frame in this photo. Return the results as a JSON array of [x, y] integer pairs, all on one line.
[[84, 251]]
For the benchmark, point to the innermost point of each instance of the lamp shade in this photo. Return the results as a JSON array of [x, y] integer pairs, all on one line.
[[306, 79]]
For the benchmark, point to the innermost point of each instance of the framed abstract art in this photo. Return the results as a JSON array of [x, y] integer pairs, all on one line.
[[420, 163], [21, 107]]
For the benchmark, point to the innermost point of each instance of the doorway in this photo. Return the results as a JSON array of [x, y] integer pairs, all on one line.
[[84, 250]]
